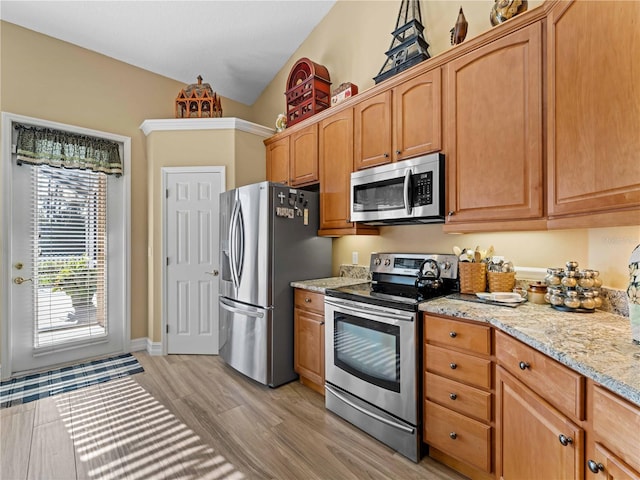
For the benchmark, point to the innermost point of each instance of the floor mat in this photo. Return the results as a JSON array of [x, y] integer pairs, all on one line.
[[41, 385]]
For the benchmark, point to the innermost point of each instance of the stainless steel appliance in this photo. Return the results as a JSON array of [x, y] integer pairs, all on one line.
[[373, 345], [410, 191], [268, 238]]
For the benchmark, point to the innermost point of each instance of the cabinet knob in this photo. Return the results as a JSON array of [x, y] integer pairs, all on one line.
[[564, 440], [595, 467], [453, 396], [453, 366], [398, 152], [453, 435], [307, 300], [453, 334], [386, 155], [523, 365]]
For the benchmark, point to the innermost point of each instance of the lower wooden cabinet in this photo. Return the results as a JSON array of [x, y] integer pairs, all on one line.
[[308, 346]]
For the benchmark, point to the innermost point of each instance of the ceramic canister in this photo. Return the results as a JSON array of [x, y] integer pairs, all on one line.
[[633, 292]]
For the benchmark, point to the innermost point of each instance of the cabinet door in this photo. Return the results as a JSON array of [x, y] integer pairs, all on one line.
[[609, 467], [304, 156], [417, 105], [278, 161], [531, 435], [373, 131], [309, 345], [594, 113], [493, 134]]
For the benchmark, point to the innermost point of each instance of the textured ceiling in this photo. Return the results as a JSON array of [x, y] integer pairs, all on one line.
[[236, 46]]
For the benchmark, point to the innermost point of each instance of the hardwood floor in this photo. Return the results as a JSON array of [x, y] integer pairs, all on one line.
[[192, 417]]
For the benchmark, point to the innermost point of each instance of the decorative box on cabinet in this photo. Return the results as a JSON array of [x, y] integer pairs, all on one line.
[[493, 136], [539, 408], [593, 114], [336, 164], [613, 449], [458, 395], [308, 343]]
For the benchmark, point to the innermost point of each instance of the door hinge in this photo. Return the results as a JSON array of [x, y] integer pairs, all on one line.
[[167, 260], [167, 193], [167, 328]]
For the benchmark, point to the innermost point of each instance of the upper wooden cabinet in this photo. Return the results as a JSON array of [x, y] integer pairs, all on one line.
[[278, 160], [494, 132], [593, 140], [336, 165], [293, 159], [399, 123]]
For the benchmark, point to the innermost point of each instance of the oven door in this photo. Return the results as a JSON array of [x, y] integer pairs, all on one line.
[[370, 352]]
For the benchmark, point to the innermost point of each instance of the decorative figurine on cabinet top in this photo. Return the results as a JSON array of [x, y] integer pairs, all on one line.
[[503, 10], [281, 122], [459, 31], [307, 90], [198, 100]]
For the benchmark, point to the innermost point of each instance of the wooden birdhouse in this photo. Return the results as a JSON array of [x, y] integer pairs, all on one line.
[[308, 90], [198, 100]]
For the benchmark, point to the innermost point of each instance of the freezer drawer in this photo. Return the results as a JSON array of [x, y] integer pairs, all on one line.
[[244, 339]]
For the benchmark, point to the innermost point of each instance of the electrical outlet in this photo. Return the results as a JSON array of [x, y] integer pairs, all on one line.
[[354, 258]]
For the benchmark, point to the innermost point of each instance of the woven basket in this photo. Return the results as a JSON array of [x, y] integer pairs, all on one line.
[[501, 281], [473, 277]]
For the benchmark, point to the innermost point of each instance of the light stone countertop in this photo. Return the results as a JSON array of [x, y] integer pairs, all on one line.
[[598, 345], [322, 284]]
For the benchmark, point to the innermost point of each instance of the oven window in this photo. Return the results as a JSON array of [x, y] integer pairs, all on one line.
[[367, 349], [379, 196]]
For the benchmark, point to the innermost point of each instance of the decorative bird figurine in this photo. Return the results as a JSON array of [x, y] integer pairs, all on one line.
[[459, 31]]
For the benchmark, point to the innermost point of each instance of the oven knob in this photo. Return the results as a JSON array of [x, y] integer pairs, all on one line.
[[376, 261], [445, 265], [387, 262]]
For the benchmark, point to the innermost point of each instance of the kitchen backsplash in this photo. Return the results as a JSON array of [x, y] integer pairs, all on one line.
[[613, 301]]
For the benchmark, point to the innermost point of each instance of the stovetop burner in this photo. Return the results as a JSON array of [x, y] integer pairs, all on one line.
[[402, 281]]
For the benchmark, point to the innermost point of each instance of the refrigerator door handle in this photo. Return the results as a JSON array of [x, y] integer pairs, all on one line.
[[240, 256], [249, 313], [232, 244]]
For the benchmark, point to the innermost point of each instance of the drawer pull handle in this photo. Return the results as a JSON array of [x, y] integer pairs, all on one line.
[[453, 334], [453, 366], [564, 440], [307, 300], [523, 365], [595, 467], [453, 396], [453, 435]]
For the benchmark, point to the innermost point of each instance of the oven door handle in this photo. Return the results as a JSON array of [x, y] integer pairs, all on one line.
[[369, 310], [386, 421]]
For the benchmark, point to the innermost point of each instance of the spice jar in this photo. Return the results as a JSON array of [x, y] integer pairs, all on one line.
[[571, 299], [570, 278], [555, 297], [587, 301], [597, 298], [554, 276], [536, 293], [586, 279], [572, 266], [597, 281]]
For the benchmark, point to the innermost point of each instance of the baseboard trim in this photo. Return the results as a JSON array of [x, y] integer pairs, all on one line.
[[145, 344]]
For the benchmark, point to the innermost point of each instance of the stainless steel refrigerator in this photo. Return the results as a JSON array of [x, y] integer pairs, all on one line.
[[268, 238]]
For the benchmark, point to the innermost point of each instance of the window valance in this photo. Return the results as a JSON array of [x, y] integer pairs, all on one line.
[[57, 148]]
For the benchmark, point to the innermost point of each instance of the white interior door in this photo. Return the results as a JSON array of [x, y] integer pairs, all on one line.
[[191, 248]]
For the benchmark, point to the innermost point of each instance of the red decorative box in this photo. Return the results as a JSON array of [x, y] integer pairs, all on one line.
[[344, 91], [307, 90]]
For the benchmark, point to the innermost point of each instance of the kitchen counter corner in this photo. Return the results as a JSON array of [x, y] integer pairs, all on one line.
[[320, 285]]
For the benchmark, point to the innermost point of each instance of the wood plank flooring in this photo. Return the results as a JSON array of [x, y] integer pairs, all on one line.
[[193, 417]]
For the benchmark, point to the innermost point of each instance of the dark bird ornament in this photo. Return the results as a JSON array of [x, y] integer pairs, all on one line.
[[459, 31]]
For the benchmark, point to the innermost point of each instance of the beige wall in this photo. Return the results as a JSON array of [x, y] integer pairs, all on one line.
[[350, 42], [53, 80]]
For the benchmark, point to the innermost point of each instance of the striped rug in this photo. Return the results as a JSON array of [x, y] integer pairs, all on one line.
[[41, 385]]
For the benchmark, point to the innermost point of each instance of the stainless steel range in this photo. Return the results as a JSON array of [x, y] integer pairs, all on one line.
[[373, 345]]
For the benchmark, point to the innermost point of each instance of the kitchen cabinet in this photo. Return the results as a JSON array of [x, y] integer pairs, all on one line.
[[539, 408], [493, 135], [593, 114], [399, 123], [293, 159], [308, 346], [613, 449], [458, 381], [336, 164], [277, 151]]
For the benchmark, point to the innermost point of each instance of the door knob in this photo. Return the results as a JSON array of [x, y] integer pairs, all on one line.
[[214, 273], [20, 280]]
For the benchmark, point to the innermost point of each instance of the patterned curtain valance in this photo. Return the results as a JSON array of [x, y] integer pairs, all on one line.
[[56, 148]]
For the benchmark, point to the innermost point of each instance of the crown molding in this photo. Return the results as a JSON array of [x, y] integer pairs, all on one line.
[[224, 123]]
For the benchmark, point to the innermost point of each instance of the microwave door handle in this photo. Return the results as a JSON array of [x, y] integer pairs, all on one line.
[[407, 190]]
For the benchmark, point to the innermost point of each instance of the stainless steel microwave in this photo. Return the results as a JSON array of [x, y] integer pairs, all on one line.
[[400, 193]]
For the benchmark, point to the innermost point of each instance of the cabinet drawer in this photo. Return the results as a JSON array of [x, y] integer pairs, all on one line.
[[616, 422], [309, 300], [467, 336], [458, 436], [459, 397], [458, 366], [557, 384]]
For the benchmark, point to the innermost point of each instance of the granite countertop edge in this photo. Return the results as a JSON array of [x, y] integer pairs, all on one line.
[[597, 345], [320, 285]]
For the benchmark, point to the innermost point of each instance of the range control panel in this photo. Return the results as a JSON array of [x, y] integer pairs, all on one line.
[[409, 264]]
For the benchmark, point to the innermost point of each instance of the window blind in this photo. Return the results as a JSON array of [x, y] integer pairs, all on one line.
[[69, 245]]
